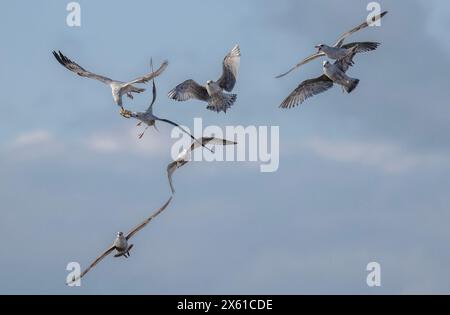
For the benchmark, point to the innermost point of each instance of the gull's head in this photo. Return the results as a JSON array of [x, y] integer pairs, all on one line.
[[326, 63], [209, 82], [319, 47], [119, 234]]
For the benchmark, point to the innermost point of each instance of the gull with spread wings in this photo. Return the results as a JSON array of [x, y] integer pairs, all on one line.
[[118, 88], [120, 244], [339, 49], [184, 156], [213, 93], [332, 73]]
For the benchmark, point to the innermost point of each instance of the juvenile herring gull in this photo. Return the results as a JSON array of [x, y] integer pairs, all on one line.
[[212, 92]]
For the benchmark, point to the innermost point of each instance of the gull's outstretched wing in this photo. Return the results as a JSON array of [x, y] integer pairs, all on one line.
[[187, 90], [301, 63], [307, 89], [176, 125], [170, 170], [210, 140], [182, 129], [341, 38], [231, 64], [150, 75], [362, 46], [76, 68], [96, 261], [150, 108], [143, 224]]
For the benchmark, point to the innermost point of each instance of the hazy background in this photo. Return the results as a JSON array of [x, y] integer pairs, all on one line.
[[363, 177]]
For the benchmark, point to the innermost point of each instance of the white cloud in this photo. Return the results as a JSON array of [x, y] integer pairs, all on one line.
[[34, 144], [103, 143], [385, 156], [126, 141], [33, 138]]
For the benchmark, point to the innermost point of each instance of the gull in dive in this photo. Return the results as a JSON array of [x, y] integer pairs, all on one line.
[[120, 244], [148, 117], [118, 88], [333, 73], [212, 92], [184, 156], [339, 50]]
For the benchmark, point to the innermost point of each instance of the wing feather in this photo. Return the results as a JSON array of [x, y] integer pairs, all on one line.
[[307, 89], [210, 140], [341, 38], [93, 264], [189, 89], [301, 63], [231, 64], [146, 221], [151, 75], [362, 46], [76, 68]]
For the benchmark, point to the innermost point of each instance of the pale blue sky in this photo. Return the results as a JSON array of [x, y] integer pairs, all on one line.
[[363, 177]]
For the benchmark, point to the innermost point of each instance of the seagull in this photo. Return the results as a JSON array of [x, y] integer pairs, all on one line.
[[339, 50], [184, 156], [120, 244], [118, 88], [213, 93], [148, 117], [332, 73]]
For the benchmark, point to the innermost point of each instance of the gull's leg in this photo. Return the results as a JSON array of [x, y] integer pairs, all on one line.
[[130, 95]]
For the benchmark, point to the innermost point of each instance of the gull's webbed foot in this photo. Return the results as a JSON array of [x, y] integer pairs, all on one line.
[[125, 113]]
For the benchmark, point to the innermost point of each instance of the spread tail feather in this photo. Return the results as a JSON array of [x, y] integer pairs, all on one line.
[[221, 102], [352, 84]]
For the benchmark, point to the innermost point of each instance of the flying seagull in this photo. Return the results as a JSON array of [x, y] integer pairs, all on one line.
[[213, 93], [184, 156], [120, 244], [339, 50], [118, 88], [148, 117], [333, 73]]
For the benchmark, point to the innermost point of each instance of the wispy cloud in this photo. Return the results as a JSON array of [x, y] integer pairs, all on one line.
[[388, 157], [33, 138], [33, 144], [126, 141]]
